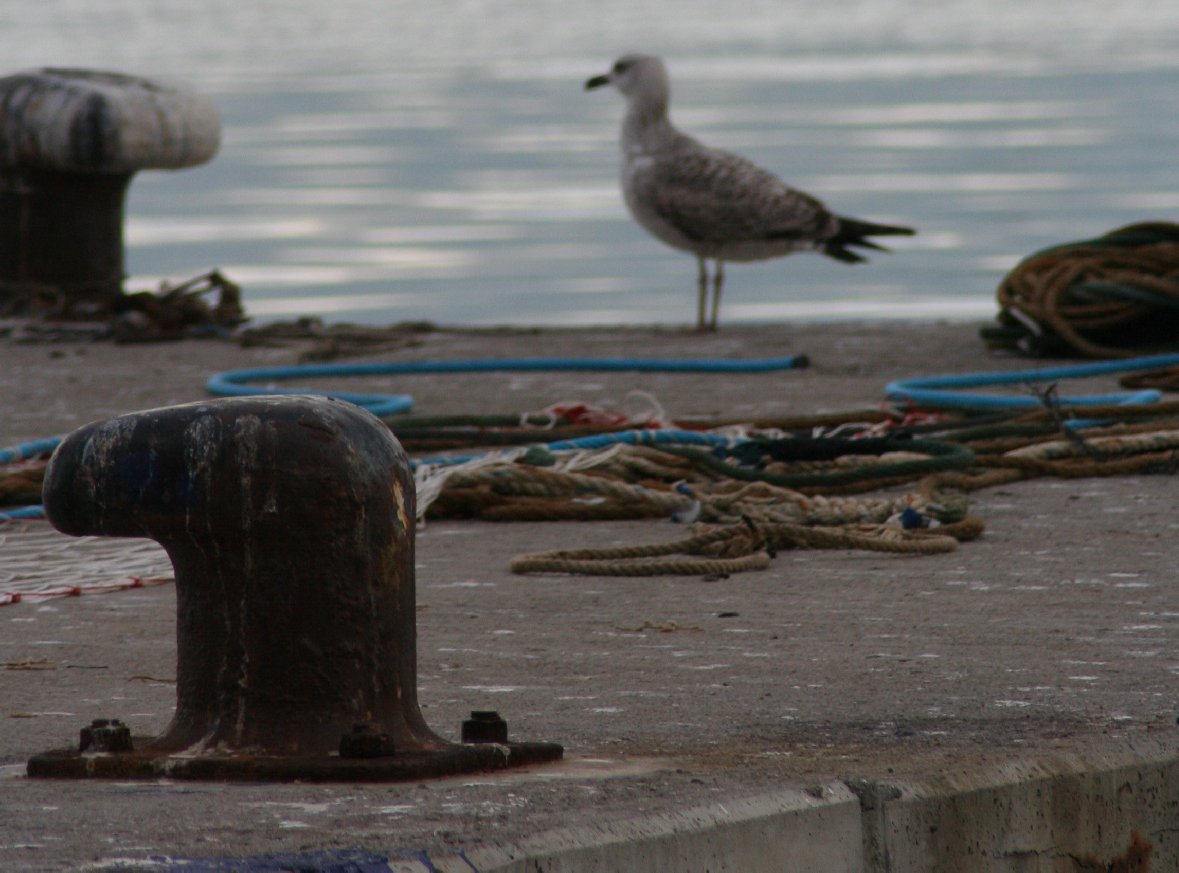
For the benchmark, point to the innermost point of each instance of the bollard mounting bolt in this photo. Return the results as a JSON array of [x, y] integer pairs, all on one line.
[[105, 735], [485, 726]]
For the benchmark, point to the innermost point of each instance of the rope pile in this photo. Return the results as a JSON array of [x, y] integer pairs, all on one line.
[[742, 515], [1148, 447], [1111, 297], [657, 481], [738, 523], [750, 489], [173, 311], [749, 493]]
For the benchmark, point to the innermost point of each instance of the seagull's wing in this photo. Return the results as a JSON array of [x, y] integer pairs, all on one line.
[[713, 196]]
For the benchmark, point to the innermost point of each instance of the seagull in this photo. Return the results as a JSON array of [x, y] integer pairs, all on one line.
[[712, 203]]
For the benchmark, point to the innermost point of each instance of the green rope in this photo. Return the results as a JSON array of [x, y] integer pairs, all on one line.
[[943, 456]]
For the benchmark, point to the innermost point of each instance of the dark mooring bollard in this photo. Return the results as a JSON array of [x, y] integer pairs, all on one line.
[[290, 525], [70, 141]]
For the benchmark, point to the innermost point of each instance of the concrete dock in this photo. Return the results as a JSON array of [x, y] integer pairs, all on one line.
[[1009, 706]]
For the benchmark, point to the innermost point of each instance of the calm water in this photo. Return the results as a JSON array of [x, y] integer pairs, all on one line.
[[387, 159]]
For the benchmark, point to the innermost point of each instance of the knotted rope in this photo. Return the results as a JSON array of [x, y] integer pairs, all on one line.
[[720, 551], [664, 559]]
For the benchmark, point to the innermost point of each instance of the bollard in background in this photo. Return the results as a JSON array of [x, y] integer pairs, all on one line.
[[290, 525], [70, 141]]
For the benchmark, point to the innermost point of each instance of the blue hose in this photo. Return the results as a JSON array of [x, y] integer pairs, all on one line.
[[934, 391], [237, 382]]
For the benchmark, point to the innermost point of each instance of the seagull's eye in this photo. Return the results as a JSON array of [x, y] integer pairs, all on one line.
[[621, 67]]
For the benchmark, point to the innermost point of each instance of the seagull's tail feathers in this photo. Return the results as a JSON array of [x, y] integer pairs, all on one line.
[[853, 232]]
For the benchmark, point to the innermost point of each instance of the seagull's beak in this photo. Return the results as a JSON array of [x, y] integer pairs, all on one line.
[[596, 82]]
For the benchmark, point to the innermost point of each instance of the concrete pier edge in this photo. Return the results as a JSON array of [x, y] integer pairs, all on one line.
[[1048, 813]]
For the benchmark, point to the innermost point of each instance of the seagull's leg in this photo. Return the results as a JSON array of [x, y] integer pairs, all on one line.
[[718, 280], [702, 292]]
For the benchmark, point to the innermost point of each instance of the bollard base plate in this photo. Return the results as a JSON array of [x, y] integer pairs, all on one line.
[[252, 767]]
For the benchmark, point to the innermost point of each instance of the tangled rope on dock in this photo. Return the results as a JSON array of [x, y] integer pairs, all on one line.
[[1146, 448], [737, 524], [658, 480], [206, 305], [750, 489], [742, 522], [1113, 296]]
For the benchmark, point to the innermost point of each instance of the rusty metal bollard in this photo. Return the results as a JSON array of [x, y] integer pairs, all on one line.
[[70, 141], [290, 525]]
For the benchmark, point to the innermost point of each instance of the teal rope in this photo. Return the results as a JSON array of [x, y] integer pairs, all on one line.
[[22, 512], [28, 450]]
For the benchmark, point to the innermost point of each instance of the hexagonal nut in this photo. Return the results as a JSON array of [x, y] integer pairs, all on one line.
[[485, 726], [105, 735]]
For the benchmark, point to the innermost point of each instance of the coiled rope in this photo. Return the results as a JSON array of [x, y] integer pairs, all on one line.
[[1109, 297]]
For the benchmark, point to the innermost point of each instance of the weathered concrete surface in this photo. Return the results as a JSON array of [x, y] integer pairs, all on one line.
[[1053, 638], [817, 829], [1049, 814]]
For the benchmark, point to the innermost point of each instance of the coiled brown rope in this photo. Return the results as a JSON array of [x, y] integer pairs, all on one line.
[[1110, 297]]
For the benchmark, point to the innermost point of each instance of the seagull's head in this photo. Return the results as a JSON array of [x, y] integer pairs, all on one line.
[[642, 76]]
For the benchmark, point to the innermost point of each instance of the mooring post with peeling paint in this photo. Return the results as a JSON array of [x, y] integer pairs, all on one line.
[[290, 525], [70, 141]]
